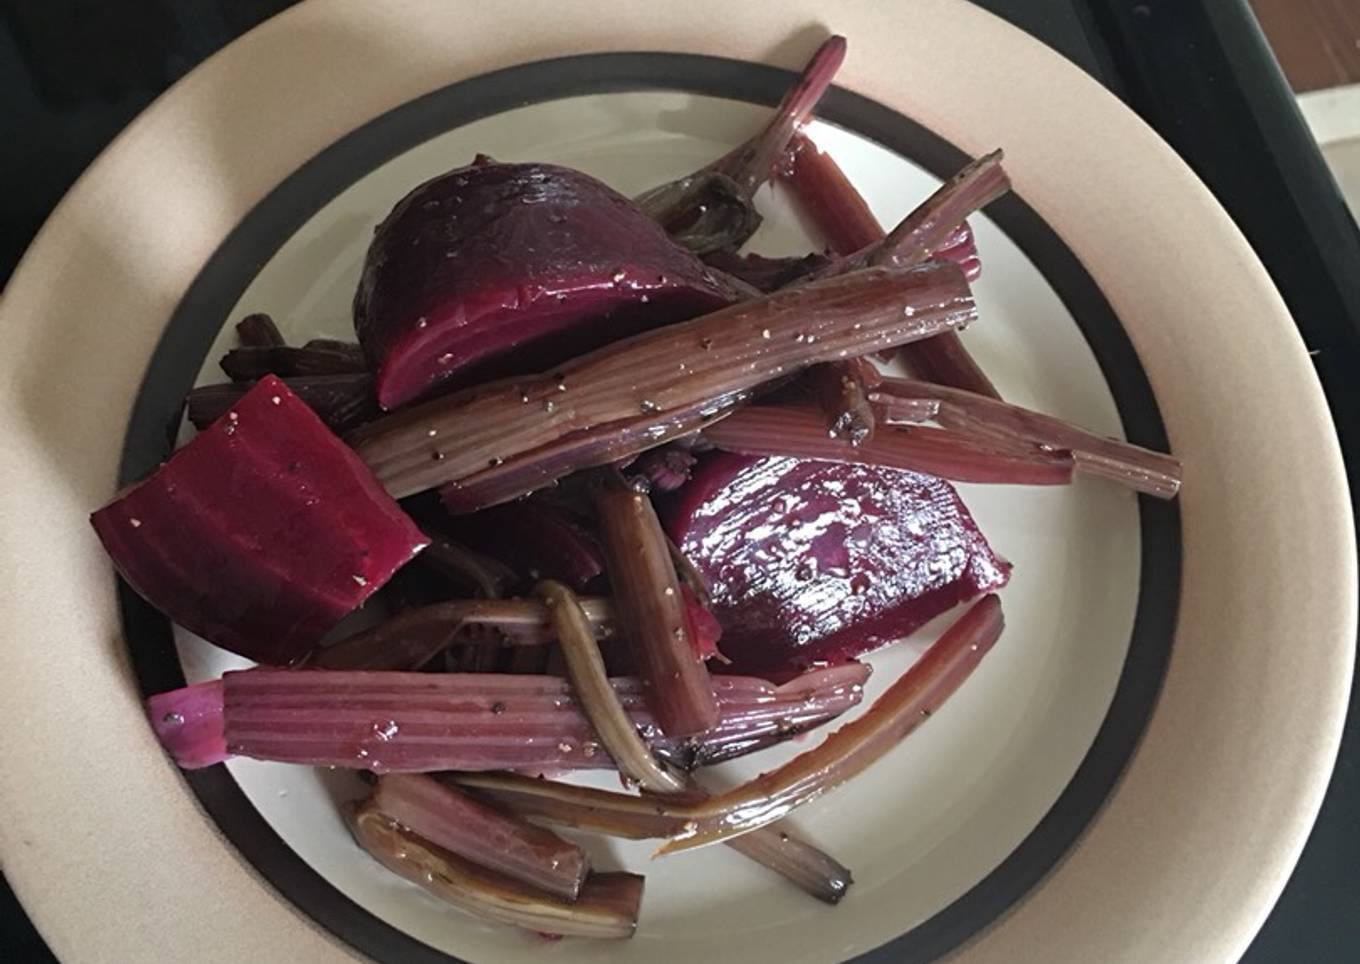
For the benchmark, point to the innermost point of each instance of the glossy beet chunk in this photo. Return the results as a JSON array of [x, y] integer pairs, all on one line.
[[814, 562], [262, 532], [494, 268]]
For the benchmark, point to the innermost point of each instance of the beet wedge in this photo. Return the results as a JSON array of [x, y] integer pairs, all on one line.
[[496, 268], [262, 532], [812, 561]]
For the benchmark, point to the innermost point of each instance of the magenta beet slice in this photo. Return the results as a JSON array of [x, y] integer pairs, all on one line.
[[262, 532], [811, 562], [497, 268]]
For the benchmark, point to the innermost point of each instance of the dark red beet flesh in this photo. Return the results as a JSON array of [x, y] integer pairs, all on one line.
[[812, 562], [498, 268], [262, 532]]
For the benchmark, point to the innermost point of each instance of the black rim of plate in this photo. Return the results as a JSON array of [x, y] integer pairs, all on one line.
[[196, 321]]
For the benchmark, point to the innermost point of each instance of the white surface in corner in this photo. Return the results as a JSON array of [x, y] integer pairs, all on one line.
[[1333, 116]]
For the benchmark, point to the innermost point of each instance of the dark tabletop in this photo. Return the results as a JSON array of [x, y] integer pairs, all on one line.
[[73, 74]]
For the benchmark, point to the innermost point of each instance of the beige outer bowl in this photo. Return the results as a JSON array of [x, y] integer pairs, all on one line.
[[112, 856]]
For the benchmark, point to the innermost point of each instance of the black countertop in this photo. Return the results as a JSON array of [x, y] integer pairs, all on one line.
[[74, 73]]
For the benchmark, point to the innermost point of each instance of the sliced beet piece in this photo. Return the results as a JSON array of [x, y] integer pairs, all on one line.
[[497, 268], [262, 532], [813, 562]]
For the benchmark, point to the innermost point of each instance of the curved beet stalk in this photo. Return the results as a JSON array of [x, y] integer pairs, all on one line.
[[485, 835], [412, 638], [908, 703], [1142, 470], [484, 576], [606, 906], [343, 402], [672, 369], [497, 268], [704, 211], [262, 532], [651, 612], [582, 808], [714, 207], [568, 805], [599, 702], [419, 722]]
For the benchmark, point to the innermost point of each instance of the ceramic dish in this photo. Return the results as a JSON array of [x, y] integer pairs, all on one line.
[[1129, 776]]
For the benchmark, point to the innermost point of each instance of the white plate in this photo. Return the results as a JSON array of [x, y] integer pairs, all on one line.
[[114, 860], [936, 817]]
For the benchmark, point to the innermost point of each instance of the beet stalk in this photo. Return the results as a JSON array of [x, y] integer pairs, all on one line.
[[852, 231], [714, 208], [320, 356], [848, 751], [607, 905], [1142, 470], [482, 575], [799, 433], [836, 209], [651, 612], [583, 808], [485, 835], [512, 478], [259, 331], [673, 368], [412, 638], [599, 702], [418, 722], [842, 392], [343, 402], [891, 410]]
